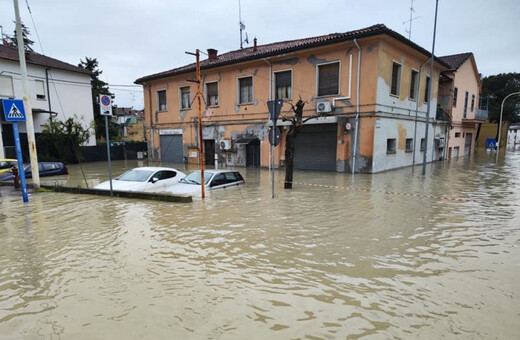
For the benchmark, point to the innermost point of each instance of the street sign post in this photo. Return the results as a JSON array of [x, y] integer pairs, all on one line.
[[105, 108], [274, 107], [14, 112]]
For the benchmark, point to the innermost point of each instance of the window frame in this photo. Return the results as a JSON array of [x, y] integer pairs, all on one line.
[[290, 88], [10, 80], [42, 95], [455, 96], [426, 89], [318, 95], [217, 102], [422, 146], [158, 99], [472, 103], [466, 98], [391, 145], [414, 80], [397, 85], [408, 148], [251, 92], [181, 98]]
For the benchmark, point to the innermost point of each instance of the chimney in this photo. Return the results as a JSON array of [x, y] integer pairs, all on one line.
[[212, 54], [254, 45]]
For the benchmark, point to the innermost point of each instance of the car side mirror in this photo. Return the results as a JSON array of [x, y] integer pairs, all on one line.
[[154, 179]]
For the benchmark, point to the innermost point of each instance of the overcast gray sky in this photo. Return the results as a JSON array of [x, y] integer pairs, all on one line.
[[134, 38]]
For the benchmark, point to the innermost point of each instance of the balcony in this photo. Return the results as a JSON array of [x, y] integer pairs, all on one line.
[[482, 114]]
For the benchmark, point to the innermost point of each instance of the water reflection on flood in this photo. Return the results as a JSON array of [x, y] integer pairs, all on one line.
[[391, 255]]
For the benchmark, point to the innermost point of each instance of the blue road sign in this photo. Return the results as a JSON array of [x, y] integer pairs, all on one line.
[[13, 110]]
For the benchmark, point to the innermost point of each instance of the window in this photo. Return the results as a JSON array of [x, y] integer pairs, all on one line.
[[40, 89], [245, 86], [283, 86], [212, 93], [390, 145], [396, 79], [465, 104], [457, 134], [455, 94], [185, 97], [472, 102], [6, 87], [409, 145], [328, 79], [161, 100], [426, 89], [413, 84], [423, 144]]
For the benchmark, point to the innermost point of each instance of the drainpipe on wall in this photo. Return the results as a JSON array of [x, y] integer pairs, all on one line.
[[151, 143], [48, 91], [418, 98], [356, 135]]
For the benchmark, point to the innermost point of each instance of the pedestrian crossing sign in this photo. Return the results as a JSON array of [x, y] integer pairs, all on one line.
[[13, 110]]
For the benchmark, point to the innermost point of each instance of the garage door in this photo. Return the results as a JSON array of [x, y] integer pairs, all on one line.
[[316, 147], [171, 149]]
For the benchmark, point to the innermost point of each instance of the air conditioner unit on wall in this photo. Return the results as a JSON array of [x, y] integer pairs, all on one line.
[[225, 144], [323, 107]]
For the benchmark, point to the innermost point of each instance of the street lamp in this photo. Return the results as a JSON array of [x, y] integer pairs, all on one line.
[[500, 123]]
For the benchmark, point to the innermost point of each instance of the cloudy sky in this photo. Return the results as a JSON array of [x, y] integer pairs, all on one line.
[[134, 38]]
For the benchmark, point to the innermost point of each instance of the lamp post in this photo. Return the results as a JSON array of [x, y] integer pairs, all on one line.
[[500, 123]]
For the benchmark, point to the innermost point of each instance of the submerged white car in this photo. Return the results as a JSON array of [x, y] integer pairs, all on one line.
[[213, 179], [146, 179]]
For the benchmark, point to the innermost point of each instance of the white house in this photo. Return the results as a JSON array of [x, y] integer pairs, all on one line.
[[55, 87]]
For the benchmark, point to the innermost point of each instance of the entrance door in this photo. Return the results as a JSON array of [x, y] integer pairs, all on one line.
[[171, 149], [467, 145], [253, 153], [209, 151]]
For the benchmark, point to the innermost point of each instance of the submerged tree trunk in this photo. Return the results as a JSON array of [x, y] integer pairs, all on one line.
[[289, 157]]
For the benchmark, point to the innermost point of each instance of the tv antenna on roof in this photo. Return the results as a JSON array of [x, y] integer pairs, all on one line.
[[242, 27], [412, 18]]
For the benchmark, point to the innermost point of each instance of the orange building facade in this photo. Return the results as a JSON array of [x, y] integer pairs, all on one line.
[[366, 89]]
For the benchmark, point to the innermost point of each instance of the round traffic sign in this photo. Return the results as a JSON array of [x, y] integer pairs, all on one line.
[[105, 100]]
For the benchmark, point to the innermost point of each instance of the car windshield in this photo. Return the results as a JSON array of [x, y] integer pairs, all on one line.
[[194, 178], [135, 175]]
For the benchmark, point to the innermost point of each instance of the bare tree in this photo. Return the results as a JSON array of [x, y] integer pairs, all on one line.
[[297, 122]]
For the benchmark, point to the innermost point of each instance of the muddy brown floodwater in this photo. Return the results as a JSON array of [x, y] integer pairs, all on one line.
[[387, 256]]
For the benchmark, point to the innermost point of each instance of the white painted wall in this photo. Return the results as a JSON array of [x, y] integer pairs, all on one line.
[[401, 129], [70, 95]]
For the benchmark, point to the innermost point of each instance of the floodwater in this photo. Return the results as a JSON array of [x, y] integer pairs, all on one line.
[[387, 256]]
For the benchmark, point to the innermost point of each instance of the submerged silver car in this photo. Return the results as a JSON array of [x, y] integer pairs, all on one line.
[[213, 179]]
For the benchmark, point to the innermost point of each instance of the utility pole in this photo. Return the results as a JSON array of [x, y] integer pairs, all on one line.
[[201, 141], [430, 92], [27, 101]]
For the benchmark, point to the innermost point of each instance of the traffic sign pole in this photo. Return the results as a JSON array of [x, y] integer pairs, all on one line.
[[105, 108], [21, 170]]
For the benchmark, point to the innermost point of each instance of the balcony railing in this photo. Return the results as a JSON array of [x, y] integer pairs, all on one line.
[[482, 114], [479, 114]]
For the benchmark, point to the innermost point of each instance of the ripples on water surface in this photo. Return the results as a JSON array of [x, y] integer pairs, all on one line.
[[391, 255]]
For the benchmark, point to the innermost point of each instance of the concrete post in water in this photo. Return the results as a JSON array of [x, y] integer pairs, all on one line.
[[27, 101]]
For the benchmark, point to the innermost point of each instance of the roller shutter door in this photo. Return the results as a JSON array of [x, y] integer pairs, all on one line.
[[315, 147], [171, 149]]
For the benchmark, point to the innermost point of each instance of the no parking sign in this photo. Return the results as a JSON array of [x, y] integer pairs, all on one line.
[[105, 105]]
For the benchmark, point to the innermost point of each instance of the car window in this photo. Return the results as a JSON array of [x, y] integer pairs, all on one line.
[[135, 175], [218, 179], [169, 174], [194, 178]]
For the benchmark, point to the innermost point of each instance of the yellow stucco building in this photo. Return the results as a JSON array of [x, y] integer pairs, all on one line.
[[368, 87]]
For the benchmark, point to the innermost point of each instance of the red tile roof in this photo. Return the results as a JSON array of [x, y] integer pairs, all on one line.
[[269, 50], [11, 53], [456, 60]]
